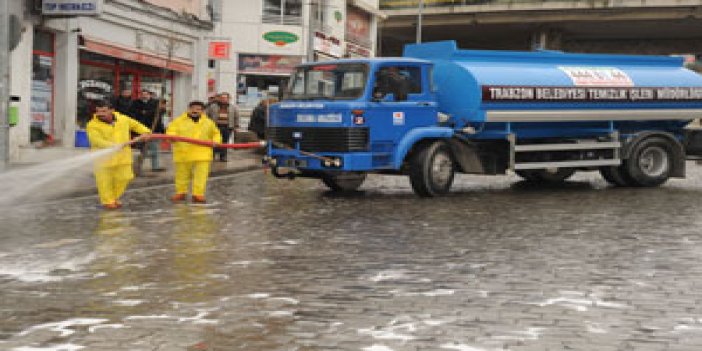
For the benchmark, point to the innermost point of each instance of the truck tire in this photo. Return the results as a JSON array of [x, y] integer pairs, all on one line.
[[650, 162], [616, 175], [556, 175], [344, 182], [432, 170]]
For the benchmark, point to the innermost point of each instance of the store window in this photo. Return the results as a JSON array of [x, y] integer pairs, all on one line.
[[94, 83], [42, 98], [104, 77], [282, 12]]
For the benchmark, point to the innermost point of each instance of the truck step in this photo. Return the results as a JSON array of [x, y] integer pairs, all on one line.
[[566, 164], [571, 146]]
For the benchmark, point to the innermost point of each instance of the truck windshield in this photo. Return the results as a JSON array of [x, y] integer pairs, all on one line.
[[328, 81]]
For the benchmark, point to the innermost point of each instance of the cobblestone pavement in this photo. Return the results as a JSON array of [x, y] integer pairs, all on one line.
[[279, 265]]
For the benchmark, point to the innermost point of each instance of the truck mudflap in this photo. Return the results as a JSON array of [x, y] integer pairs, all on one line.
[[693, 143], [416, 135]]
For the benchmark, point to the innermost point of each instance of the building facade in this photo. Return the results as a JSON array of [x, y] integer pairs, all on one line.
[[270, 37], [613, 26], [73, 53]]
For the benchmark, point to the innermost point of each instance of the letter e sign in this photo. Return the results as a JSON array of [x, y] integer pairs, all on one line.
[[219, 50]]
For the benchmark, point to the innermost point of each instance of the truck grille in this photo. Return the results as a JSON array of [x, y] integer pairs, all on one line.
[[322, 139]]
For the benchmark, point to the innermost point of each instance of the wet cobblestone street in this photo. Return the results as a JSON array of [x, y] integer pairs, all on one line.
[[275, 265]]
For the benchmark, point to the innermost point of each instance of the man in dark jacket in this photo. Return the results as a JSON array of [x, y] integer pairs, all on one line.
[[123, 103], [226, 115], [144, 111]]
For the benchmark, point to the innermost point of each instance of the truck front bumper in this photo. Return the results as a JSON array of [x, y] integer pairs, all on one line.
[[345, 162]]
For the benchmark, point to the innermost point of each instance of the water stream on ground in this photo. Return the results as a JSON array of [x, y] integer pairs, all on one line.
[[46, 180]]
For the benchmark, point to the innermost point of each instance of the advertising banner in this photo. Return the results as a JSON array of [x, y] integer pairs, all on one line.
[[268, 64]]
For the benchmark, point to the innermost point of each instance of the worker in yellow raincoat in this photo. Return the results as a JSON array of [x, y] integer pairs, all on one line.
[[109, 129], [192, 162]]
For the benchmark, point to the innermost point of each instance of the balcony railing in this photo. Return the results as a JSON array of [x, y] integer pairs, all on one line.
[[278, 19]]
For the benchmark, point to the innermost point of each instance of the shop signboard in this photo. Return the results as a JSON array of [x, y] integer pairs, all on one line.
[[328, 45], [280, 38], [219, 50], [71, 7], [353, 50], [268, 64], [358, 26]]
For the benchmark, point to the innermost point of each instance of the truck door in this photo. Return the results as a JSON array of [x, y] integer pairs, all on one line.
[[401, 101]]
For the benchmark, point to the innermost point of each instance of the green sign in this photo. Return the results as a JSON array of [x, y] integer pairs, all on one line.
[[280, 38]]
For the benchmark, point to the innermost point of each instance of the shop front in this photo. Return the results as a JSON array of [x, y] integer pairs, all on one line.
[[263, 76], [106, 70]]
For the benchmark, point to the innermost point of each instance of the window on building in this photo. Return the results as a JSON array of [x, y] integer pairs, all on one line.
[[42, 98], [282, 11]]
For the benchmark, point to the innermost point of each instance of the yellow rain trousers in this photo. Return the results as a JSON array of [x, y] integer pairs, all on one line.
[[113, 173], [192, 162]]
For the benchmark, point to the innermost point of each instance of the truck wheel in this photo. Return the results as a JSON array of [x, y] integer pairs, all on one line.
[[615, 175], [343, 182], [650, 162], [432, 170], [552, 175]]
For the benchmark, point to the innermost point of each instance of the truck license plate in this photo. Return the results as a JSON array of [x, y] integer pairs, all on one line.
[[294, 163]]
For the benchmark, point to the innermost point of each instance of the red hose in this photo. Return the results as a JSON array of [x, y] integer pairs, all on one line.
[[174, 138]]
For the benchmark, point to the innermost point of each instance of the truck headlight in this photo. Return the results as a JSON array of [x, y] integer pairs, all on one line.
[[442, 117]]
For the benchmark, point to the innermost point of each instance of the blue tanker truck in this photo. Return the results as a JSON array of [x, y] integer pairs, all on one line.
[[439, 110]]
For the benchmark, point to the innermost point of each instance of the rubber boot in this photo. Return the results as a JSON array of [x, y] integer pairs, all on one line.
[[178, 197]]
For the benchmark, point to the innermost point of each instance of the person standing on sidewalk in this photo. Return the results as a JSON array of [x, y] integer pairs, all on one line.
[[123, 103], [192, 162], [108, 129], [226, 116], [145, 110]]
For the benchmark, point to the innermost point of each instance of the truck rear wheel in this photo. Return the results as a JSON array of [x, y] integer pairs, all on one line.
[[344, 182], [554, 175], [650, 162], [432, 170]]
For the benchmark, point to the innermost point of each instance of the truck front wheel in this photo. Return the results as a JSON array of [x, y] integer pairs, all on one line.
[[343, 182], [432, 170], [650, 162]]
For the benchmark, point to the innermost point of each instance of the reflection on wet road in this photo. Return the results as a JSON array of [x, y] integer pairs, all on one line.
[[277, 265]]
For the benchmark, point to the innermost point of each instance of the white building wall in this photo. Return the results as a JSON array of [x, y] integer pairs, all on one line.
[[21, 85], [242, 24]]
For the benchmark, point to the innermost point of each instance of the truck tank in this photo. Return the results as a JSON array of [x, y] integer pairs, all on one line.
[[476, 86]]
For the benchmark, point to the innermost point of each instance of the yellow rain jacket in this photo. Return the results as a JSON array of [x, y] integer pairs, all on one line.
[[204, 129], [104, 135], [113, 172]]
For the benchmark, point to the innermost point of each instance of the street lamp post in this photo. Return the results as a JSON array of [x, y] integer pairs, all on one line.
[[419, 21]]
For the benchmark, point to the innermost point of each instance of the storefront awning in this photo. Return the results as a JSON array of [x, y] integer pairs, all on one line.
[[365, 6], [131, 54]]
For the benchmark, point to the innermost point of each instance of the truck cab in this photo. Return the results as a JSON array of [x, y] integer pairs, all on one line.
[[345, 118]]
